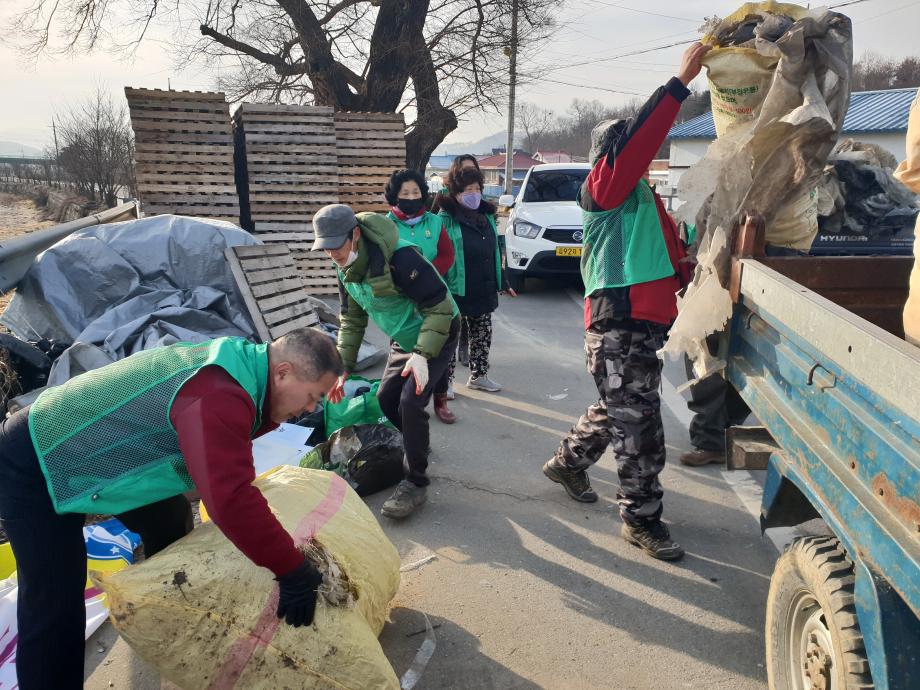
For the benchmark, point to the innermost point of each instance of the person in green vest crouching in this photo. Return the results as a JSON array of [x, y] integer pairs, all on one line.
[[407, 192], [388, 279], [632, 266], [129, 439]]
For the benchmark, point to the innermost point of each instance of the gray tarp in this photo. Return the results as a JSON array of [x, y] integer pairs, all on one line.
[[125, 287]]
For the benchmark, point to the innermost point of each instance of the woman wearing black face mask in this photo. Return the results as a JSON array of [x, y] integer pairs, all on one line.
[[407, 193]]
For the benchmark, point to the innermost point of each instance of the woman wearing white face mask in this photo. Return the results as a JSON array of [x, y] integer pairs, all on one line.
[[476, 278]]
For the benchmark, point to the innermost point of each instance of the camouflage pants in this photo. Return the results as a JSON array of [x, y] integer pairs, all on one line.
[[627, 415]]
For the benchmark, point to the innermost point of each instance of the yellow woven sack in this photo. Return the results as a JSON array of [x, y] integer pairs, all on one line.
[[204, 615], [739, 80]]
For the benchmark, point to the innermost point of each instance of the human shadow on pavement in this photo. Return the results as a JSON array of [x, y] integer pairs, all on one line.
[[458, 662]]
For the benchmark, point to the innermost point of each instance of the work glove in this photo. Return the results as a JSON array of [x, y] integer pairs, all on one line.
[[297, 600], [338, 390], [418, 365]]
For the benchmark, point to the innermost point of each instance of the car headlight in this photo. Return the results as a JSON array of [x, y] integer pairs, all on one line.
[[526, 230]]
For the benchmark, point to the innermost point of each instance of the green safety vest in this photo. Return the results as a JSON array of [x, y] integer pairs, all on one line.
[[424, 234], [393, 312], [624, 246], [456, 276], [104, 439]]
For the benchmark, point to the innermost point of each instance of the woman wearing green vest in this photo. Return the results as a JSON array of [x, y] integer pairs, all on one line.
[[476, 278], [407, 192], [129, 439]]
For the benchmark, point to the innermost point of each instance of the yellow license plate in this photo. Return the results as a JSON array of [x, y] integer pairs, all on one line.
[[568, 251]]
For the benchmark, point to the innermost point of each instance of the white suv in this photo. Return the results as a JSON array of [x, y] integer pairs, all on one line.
[[544, 231]]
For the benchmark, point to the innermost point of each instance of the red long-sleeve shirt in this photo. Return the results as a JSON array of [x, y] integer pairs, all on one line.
[[608, 185], [213, 417], [445, 258]]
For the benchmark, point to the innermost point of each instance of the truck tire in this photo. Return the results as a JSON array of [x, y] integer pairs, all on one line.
[[516, 280], [812, 633]]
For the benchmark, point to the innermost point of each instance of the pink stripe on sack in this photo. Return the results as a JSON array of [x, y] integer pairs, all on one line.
[[268, 622]]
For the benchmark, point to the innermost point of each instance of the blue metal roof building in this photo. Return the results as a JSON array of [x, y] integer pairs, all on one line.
[[869, 112]]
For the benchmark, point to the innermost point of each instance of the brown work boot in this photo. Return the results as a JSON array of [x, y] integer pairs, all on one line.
[[698, 457], [442, 411], [575, 482], [654, 538]]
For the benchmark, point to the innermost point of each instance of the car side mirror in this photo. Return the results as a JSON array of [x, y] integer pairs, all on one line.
[[506, 200]]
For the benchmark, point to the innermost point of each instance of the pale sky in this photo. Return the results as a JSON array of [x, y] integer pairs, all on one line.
[[589, 29]]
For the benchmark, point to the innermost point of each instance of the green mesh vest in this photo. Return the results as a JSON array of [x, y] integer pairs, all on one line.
[[456, 275], [104, 439], [624, 246], [393, 312], [424, 234]]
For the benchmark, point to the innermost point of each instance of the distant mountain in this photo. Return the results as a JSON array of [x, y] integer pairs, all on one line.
[[11, 148], [483, 146]]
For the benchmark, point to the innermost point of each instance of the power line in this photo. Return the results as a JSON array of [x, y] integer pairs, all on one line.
[[593, 87], [846, 4], [896, 9], [619, 57], [654, 14]]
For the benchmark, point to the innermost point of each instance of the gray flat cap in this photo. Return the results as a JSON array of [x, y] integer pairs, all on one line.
[[332, 225]]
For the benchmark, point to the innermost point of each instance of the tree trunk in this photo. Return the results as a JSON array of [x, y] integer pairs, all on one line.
[[428, 134]]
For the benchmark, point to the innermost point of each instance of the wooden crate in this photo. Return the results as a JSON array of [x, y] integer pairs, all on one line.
[[272, 288], [370, 147], [184, 153], [291, 172]]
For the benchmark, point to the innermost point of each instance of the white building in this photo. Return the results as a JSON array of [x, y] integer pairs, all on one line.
[[876, 117]]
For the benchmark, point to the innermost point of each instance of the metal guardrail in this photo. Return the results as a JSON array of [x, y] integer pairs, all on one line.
[[17, 254]]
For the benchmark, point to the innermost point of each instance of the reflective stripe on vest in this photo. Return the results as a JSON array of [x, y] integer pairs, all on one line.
[[104, 439], [626, 245]]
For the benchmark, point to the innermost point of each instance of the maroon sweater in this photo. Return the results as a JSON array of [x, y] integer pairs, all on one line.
[[610, 182], [213, 417]]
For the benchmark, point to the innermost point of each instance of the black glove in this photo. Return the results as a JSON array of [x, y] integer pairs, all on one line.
[[297, 600]]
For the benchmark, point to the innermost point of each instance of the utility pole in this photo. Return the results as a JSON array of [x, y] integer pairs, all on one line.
[[509, 145], [57, 151]]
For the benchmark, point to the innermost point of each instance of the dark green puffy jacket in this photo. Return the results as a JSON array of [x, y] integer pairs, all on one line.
[[396, 286]]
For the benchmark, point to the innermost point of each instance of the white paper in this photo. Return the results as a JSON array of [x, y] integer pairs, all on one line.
[[283, 446]]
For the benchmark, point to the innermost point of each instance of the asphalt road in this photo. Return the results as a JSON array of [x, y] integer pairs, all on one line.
[[528, 589]]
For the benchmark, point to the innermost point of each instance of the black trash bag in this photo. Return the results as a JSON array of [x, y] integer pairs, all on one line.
[[379, 463], [368, 456]]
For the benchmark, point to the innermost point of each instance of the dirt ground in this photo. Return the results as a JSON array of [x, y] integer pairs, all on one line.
[[18, 215]]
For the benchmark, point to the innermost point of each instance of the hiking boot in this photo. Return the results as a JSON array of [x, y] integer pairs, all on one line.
[[450, 391], [404, 500], [653, 538], [698, 457], [442, 411], [483, 383], [575, 482]]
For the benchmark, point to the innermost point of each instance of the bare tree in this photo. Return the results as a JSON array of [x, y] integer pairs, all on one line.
[[358, 55], [534, 123], [97, 147], [873, 72]]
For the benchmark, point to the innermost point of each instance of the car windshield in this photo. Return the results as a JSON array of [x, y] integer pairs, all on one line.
[[554, 185]]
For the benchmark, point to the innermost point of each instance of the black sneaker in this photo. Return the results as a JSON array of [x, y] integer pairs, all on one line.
[[653, 538], [575, 482]]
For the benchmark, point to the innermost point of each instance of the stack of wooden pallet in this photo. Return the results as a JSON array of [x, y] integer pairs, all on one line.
[[291, 172], [370, 146], [184, 153]]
